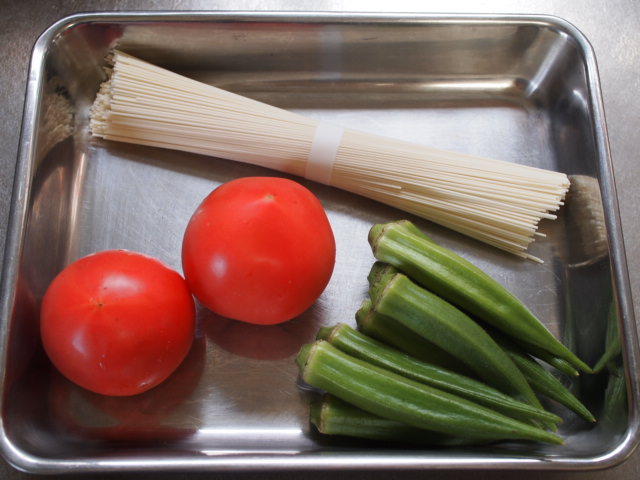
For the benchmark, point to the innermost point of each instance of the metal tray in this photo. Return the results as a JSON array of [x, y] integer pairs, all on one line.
[[519, 88]]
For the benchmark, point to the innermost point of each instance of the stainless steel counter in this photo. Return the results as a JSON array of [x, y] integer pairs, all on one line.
[[613, 35]]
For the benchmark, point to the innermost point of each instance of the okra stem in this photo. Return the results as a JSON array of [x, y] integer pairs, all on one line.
[[332, 416], [465, 285], [434, 319], [397, 398], [360, 346]]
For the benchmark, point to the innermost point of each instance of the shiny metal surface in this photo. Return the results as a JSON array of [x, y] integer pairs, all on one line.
[[419, 78]]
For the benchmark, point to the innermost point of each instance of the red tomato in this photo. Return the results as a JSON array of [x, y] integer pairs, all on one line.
[[259, 249], [117, 322]]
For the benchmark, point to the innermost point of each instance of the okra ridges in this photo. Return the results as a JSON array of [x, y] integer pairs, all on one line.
[[392, 396]]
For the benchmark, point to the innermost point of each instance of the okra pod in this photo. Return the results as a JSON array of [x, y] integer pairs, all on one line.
[[358, 345], [615, 408], [543, 381], [394, 333], [463, 284], [377, 271], [438, 321], [612, 348], [397, 398], [556, 362], [332, 416]]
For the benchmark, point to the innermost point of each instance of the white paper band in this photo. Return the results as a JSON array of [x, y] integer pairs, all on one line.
[[324, 149]]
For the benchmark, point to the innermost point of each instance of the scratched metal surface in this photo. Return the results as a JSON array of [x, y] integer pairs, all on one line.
[[104, 212]]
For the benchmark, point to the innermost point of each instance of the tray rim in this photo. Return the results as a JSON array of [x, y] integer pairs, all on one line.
[[25, 461]]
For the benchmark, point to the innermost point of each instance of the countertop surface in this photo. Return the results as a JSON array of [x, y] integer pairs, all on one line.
[[612, 28]]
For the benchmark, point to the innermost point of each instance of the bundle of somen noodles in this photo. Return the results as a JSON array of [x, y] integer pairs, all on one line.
[[497, 202]]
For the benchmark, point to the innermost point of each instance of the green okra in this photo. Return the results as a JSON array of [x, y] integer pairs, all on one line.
[[615, 407], [463, 284], [394, 333], [358, 345], [612, 348], [390, 331], [378, 271], [436, 320], [561, 365], [556, 362], [411, 228], [543, 381], [397, 398], [332, 416]]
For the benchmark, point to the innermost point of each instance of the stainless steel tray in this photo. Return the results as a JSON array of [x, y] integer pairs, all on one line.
[[519, 88]]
